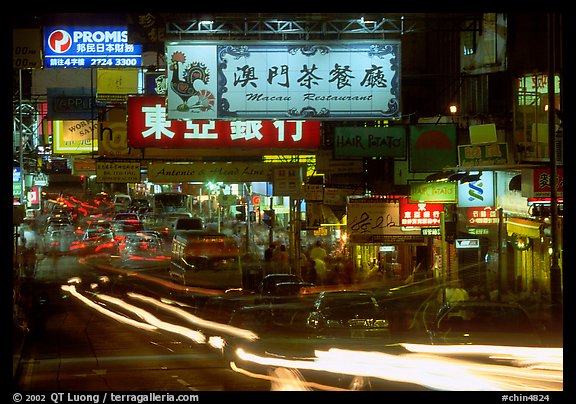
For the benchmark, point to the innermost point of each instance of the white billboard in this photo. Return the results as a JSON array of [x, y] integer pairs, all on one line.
[[279, 80]]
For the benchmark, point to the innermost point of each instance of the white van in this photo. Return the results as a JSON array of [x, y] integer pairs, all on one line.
[[122, 202]]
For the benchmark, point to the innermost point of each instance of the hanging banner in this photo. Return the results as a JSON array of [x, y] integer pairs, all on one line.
[[279, 80], [148, 126]]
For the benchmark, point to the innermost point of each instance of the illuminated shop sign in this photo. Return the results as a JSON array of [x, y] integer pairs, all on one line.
[[86, 47], [374, 217], [297, 80], [420, 214], [482, 216], [148, 126], [477, 193], [537, 182], [75, 137], [532, 89], [444, 192]]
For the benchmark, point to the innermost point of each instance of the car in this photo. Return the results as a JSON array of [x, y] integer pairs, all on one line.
[[106, 243], [58, 241], [58, 220], [284, 292], [122, 202], [348, 313], [140, 244], [481, 322], [94, 232], [269, 282]]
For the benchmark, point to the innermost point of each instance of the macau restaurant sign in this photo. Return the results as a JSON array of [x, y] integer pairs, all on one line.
[[329, 80]]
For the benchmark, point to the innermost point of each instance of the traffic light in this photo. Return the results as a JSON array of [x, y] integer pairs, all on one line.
[[269, 217], [252, 216], [241, 215]]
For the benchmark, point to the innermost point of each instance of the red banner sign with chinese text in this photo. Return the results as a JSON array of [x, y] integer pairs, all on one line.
[[148, 126], [420, 214]]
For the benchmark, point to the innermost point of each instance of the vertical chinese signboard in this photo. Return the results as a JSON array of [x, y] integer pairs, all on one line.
[[296, 80]]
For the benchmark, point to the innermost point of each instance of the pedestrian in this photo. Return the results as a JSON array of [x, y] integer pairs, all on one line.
[[318, 252], [269, 252], [456, 292], [281, 258]]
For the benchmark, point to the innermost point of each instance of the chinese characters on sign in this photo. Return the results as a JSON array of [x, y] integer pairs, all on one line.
[[375, 217], [483, 155], [117, 171], [483, 216], [542, 182], [149, 126], [288, 181], [86, 47], [420, 214], [289, 81]]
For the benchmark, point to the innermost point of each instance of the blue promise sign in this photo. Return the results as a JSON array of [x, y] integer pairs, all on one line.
[[85, 47]]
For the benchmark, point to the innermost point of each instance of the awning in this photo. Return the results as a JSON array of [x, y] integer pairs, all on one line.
[[523, 227]]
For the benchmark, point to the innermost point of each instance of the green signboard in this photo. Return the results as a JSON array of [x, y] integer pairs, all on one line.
[[432, 147], [352, 141], [16, 189], [488, 154], [441, 192]]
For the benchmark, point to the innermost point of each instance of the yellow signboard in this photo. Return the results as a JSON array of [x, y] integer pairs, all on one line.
[[75, 137], [117, 171], [225, 172]]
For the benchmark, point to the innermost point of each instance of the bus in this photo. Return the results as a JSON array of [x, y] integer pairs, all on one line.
[[170, 202], [166, 209], [206, 259]]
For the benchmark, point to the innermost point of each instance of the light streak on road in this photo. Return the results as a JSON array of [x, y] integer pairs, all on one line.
[[195, 336], [198, 321], [72, 290], [433, 371], [532, 357]]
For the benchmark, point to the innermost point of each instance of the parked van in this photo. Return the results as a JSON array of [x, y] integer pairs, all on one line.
[[205, 259], [122, 202]]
